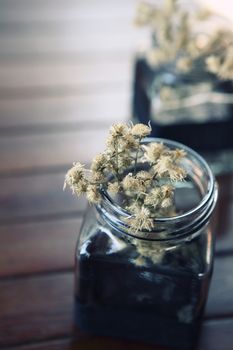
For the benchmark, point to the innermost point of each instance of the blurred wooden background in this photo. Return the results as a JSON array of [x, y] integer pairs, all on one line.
[[65, 77]]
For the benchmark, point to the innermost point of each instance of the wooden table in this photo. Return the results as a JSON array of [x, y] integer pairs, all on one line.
[[65, 76]]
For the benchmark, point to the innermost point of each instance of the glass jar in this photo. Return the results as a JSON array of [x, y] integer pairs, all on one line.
[[193, 107], [150, 286]]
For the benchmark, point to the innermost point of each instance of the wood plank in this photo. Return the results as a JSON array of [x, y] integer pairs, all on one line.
[[216, 335], [66, 10], [25, 152], [220, 301], [90, 109], [45, 304], [65, 27], [38, 197], [68, 45], [223, 215], [38, 247], [24, 76], [35, 308], [61, 90], [89, 343]]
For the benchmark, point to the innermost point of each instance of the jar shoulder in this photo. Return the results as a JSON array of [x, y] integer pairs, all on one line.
[[98, 241]]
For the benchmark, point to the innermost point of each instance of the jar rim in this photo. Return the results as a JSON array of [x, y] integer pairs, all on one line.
[[208, 200]]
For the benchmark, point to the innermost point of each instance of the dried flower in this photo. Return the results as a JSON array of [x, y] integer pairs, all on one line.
[[165, 167], [74, 175], [213, 64], [93, 194], [114, 187], [156, 56], [166, 93], [153, 199], [141, 130], [119, 170], [133, 183], [184, 64], [178, 36], [178, 154], [226, 69], [99, 162], [144, 14], [151, 251], [141, 220], [153, 152]]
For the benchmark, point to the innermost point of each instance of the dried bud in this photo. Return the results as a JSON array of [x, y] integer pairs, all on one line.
[[141, 130], [141, 220], [93, 194]]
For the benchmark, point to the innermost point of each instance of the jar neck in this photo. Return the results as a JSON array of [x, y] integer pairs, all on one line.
[[181, 226]]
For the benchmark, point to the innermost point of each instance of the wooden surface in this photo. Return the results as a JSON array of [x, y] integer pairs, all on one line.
[[65, 76]]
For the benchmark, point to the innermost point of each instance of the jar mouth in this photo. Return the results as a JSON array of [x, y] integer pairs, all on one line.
[[168, 227]]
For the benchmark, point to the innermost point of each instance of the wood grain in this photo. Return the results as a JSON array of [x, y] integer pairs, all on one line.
[[35, 308], [30, 75], [23, 10], [90, 343], [47, 150], [37, 197], [52, 113], [38, 247], [216, 335]]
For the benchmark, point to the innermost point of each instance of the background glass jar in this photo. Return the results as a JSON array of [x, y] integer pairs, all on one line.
[[194, 108], [150, 286]]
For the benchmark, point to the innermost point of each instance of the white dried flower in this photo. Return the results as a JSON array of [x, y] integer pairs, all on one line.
[[166, 93], [226, 69], [213, 64], [139, 261], [184, 64], [167, 191], [165, 167], [114, 187], [141, 130], [93, 194], [143, 175], [166, 203], [203, 14], [129, 142], [116, 132], [153, 152], [144, 14], [74, 175], [178, 154], [132, 183], [80, 187], [153, 198], [141, 220], [156, 56], [176, 173], [142, 193], [169, 7], [124, 161], [97, 176], [149, 250], [119, 129], [99, 162]]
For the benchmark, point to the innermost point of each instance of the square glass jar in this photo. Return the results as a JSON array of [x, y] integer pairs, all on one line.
[[194, 108], [150, 286]]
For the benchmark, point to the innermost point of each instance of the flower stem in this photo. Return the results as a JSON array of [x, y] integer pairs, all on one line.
[[136, 157]]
